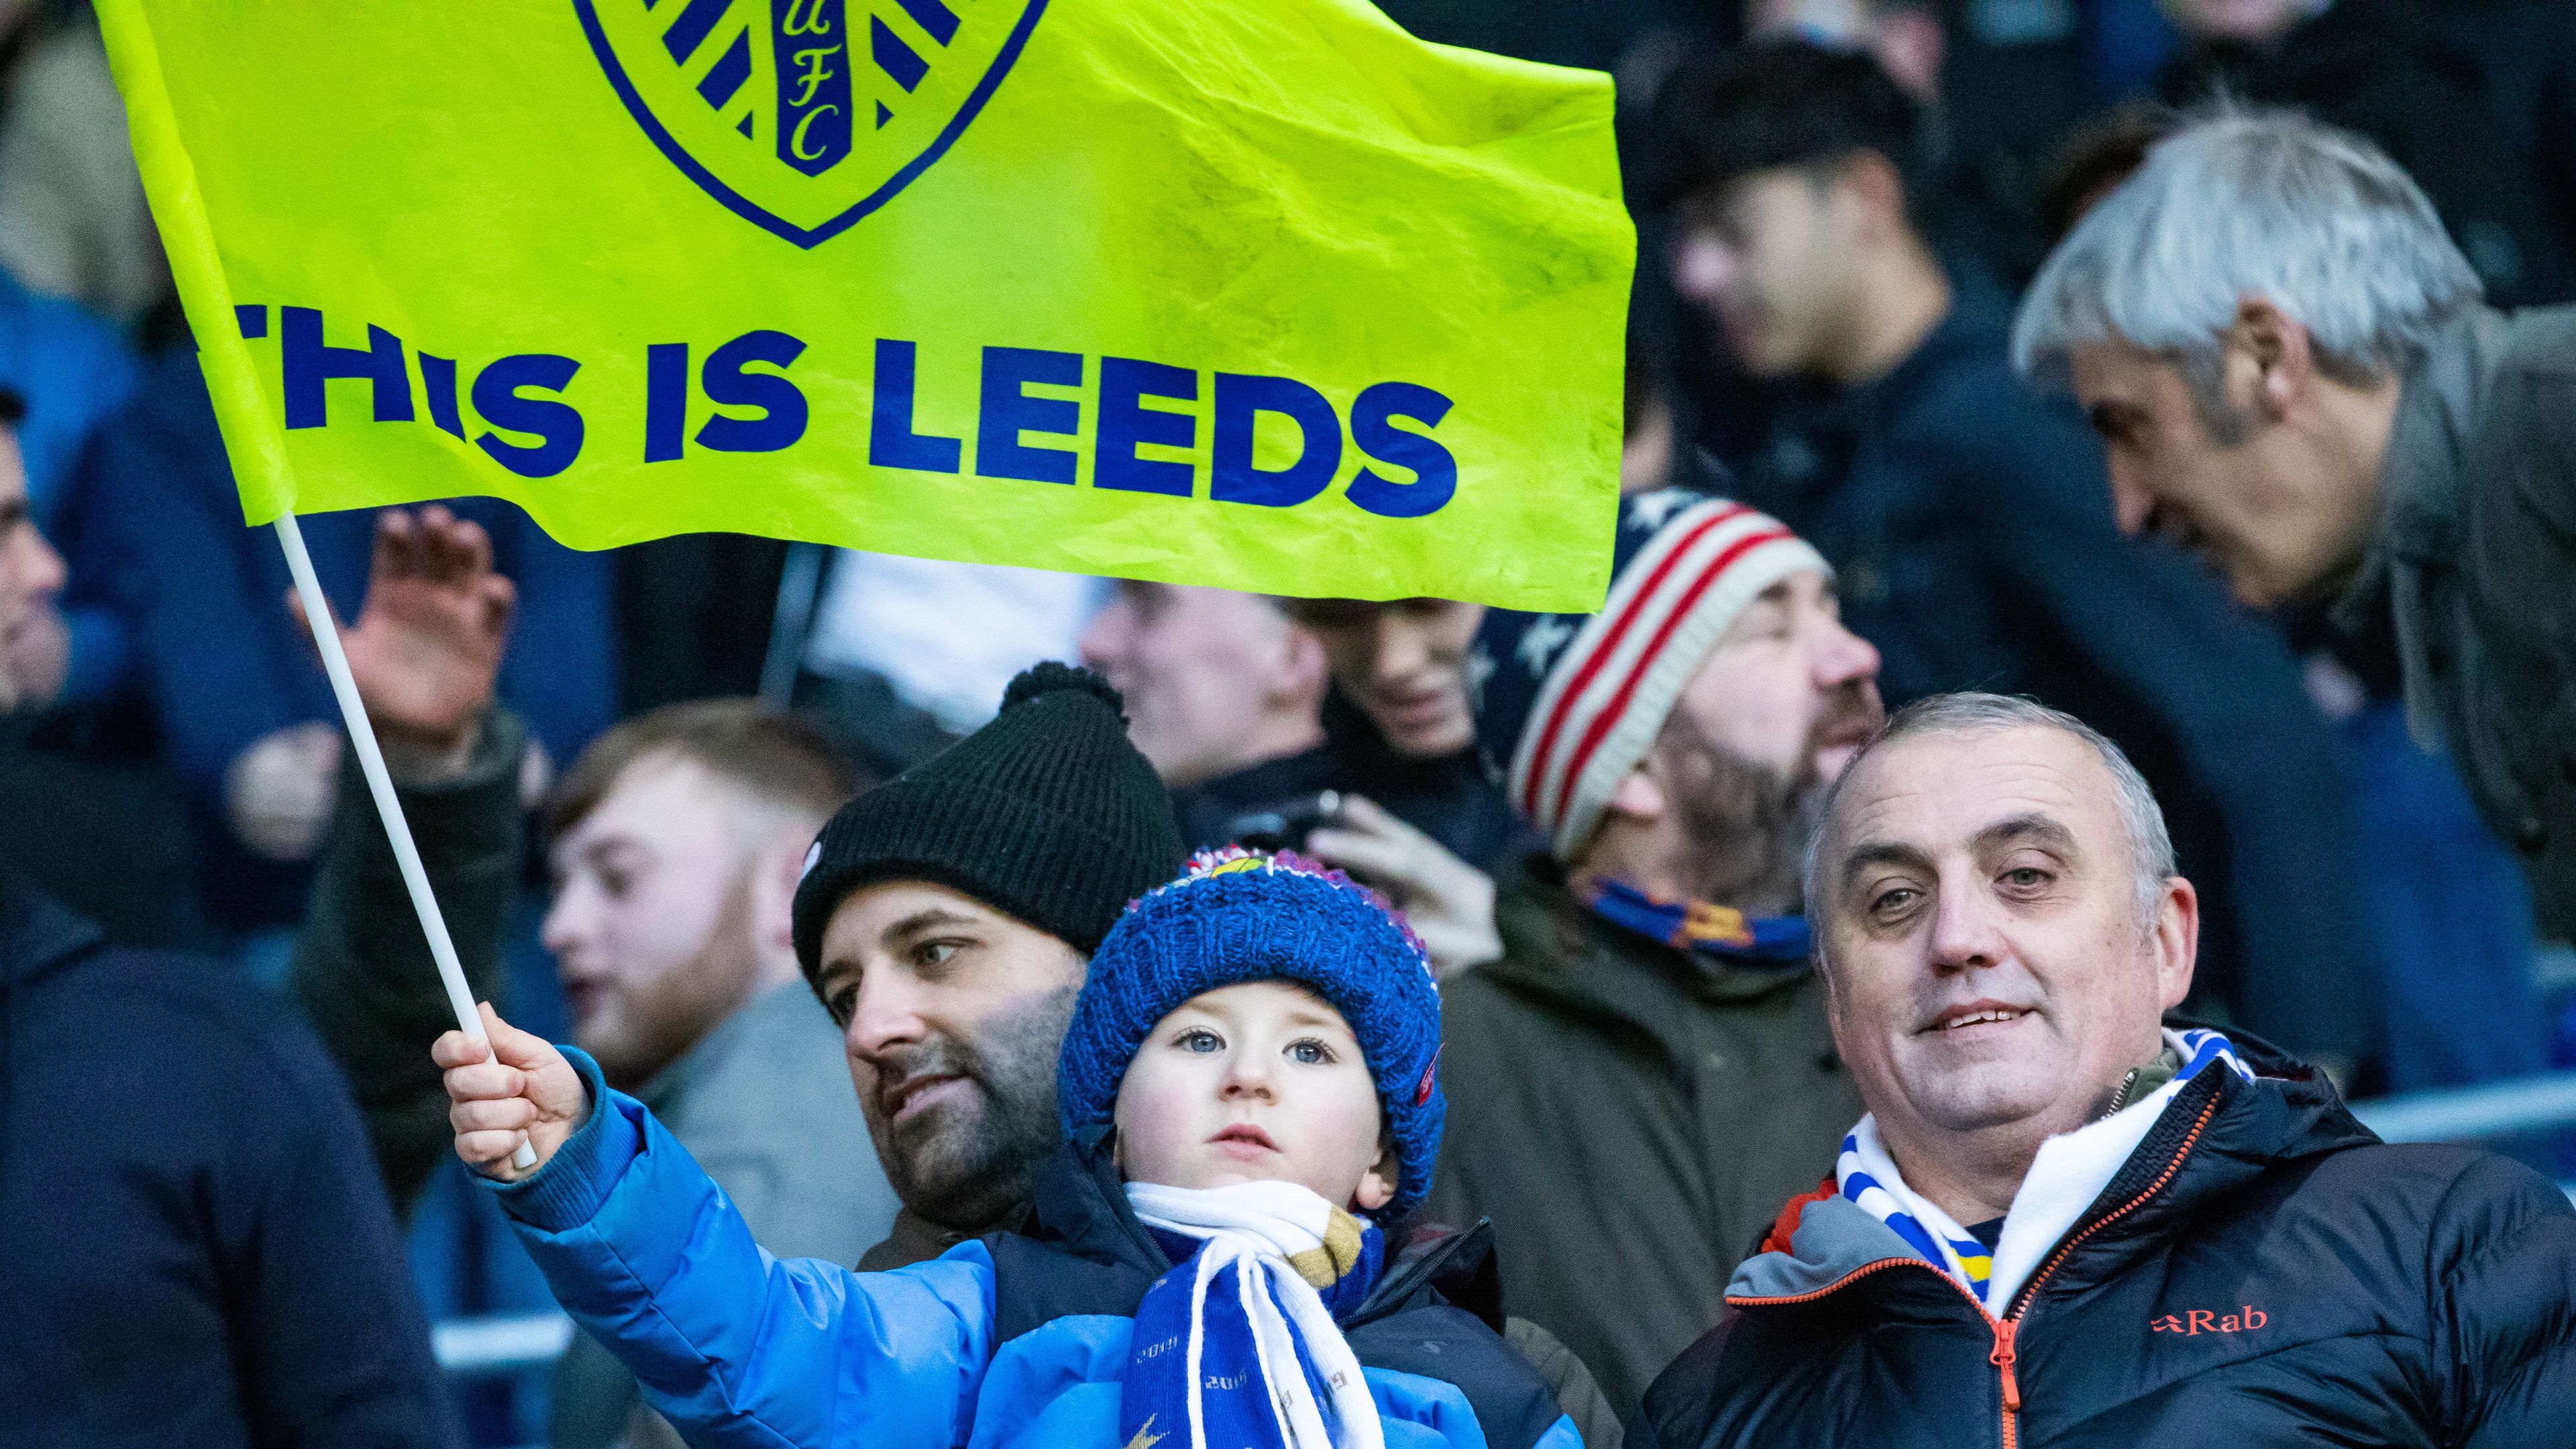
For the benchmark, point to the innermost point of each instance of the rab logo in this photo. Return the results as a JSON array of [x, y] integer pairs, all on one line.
[[2203, 1320], [805, 115]]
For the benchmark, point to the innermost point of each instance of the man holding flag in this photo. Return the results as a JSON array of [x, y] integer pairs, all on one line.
[[1254, 293]]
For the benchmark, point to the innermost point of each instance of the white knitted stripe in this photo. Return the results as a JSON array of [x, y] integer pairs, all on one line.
[[1589, 642], [1666, 674], [1620, 654], [1627, 653]]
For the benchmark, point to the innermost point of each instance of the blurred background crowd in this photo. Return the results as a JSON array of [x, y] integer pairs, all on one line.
[[1834, 355]]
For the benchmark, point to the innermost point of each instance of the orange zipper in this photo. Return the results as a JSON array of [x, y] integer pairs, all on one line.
[[2002, 1357], [2009, 1326], [2021, 1300], [2007, 1329]]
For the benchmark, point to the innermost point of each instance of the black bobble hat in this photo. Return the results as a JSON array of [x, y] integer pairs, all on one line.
[[1047, 814]]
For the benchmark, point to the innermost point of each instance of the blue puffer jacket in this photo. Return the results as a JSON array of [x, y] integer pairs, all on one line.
[[1016, 1341]]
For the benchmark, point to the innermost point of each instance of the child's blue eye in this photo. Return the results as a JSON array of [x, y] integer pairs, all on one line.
[[1199, 1040], [1310, 1053]]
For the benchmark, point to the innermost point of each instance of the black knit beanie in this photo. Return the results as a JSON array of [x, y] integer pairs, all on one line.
[[1047, 814]]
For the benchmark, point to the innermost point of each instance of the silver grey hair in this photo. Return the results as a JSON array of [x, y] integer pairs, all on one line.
[[2151, 852], [2241, 203]]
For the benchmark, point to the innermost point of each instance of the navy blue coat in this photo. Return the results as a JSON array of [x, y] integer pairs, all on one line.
[[1969, 520], [195, 1248], [2262, 1272]]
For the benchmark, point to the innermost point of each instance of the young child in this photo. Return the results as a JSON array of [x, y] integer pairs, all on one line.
[[1250, 1102]]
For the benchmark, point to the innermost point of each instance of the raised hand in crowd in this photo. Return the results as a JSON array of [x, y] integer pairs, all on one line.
[[424, 652], [517, 1088], [428, 643], [1449, 903]]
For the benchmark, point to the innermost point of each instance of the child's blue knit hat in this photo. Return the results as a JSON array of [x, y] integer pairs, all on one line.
[[1237, 917]]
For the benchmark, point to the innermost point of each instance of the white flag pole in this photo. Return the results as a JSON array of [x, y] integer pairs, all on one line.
[[362, 735]]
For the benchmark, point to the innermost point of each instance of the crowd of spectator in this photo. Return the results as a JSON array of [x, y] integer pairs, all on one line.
[[1873, 235]]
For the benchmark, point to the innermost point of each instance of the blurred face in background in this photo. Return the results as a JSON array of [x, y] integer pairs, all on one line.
[[1404, 664], [666, 894], [35, 646], [1770, 256], [2279, 504], [1214, 679]]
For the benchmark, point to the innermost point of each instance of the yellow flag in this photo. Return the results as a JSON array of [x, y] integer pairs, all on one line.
[[1258, 293]]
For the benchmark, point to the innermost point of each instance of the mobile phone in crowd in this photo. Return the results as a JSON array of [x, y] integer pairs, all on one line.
[[1285, 825]]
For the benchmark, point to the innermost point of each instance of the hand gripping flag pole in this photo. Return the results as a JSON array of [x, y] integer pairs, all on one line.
[[371, 759]]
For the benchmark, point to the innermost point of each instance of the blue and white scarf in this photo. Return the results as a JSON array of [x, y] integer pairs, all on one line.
[[1237, 1347], [2069, 1173]]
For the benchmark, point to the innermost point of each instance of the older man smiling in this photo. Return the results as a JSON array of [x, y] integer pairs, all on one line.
[[2065, 1222]]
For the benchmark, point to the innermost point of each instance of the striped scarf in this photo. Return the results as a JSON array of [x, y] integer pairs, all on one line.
[[1236, 1347], [1868, 1176], [1722, 932]]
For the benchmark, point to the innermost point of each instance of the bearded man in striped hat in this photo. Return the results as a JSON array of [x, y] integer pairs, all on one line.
[[1646, 1073]]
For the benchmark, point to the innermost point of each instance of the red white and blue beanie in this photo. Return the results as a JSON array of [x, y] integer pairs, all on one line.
[[1239, 916], [1568, 704]]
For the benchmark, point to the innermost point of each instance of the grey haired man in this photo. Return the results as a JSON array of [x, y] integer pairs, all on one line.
[[2295, 374]]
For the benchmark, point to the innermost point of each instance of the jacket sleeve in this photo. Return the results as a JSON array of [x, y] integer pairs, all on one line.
[[2503, 1310], [731, 1344], [2521, 549], [1588, 1415], [362, 973], [2224, 692]]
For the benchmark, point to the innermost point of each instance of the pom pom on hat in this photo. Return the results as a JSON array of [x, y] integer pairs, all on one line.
[[1047, 814], [1050, 677]]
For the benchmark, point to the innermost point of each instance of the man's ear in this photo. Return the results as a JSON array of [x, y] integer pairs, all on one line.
[[1303, 671], [1378, 1184], [2177, 940], [2276, 350], [781, 867], [1873, 185], [1640, 797]]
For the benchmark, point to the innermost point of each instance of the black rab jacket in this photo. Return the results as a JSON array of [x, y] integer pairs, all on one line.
[[1436, 1311], [2262, 1272]]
